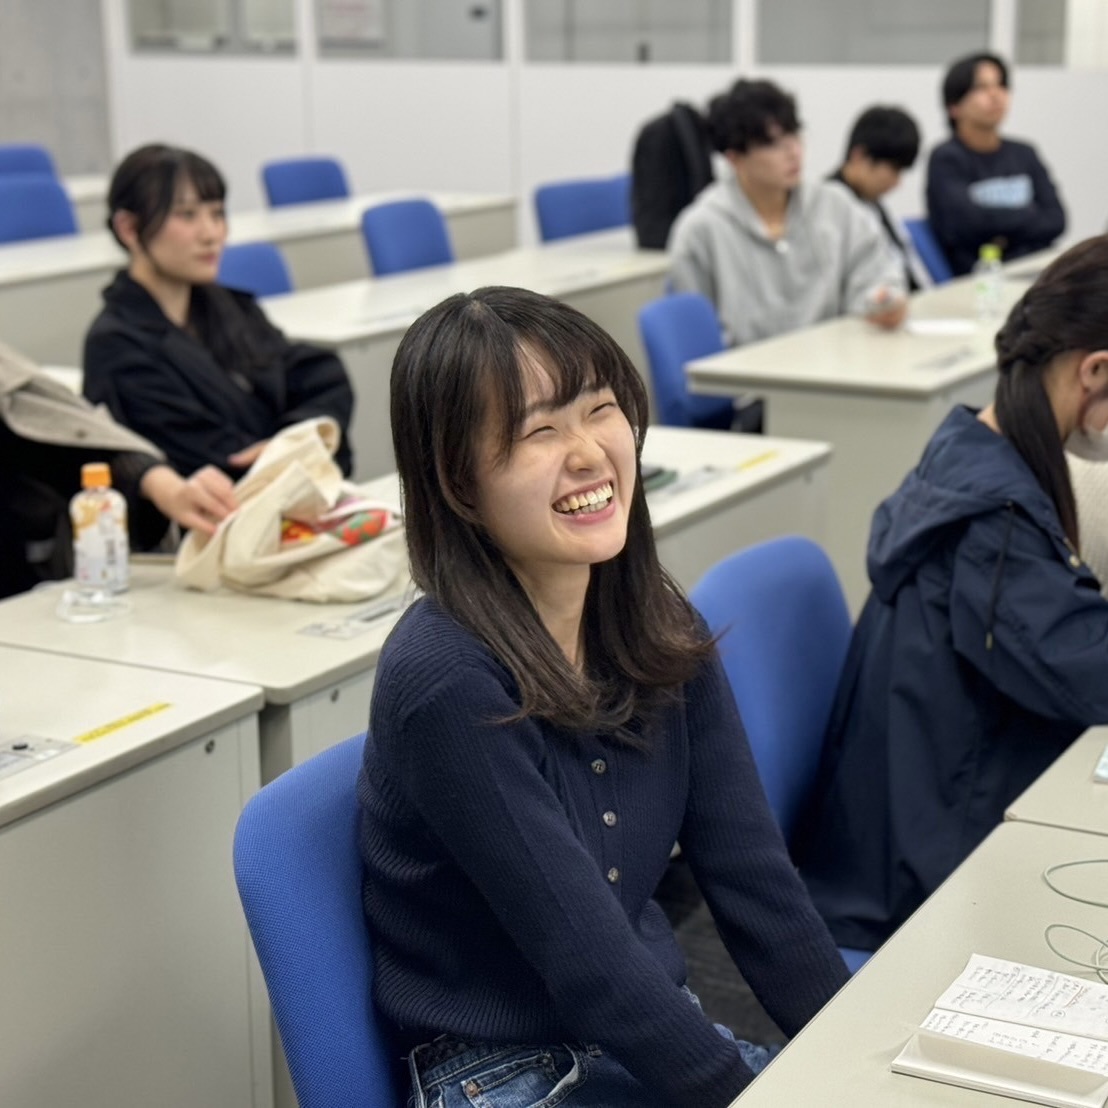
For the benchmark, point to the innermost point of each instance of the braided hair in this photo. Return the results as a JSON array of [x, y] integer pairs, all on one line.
[[1066, 309]]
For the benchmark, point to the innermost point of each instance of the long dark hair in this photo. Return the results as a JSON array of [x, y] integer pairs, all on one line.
[[457, 369], [146, 184], [1064, 310]]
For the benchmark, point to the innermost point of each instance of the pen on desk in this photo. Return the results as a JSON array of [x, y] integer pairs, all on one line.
[[757, 460]]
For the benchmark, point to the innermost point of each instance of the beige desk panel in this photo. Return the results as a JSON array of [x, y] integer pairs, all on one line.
[[1066, 794], [995, 904], [129, 976]]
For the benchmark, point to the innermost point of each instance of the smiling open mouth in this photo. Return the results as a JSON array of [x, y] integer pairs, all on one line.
[[579, 504]]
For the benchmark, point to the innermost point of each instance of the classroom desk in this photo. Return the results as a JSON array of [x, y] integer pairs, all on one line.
[[88, 193], [323, 244], [364, 321], [1066, 794], [128, 974], [876, 396], [50, 288], [995, 903]]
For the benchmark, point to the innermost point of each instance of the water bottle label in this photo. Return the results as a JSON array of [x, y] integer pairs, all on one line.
[[100, 546]]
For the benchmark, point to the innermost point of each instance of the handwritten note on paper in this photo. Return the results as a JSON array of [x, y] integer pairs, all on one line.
[[1015, 993], [1074, 1051]]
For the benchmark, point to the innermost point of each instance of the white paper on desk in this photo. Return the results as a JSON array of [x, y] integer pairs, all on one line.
[[940, 328], [1010, 991]]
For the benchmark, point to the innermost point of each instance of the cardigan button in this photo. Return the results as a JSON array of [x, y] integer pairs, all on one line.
[[613, 875], [609, 819], [599, 766], [1075, 561]]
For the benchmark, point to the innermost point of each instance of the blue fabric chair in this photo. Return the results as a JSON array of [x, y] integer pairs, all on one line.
[[675, 330], [26, 157], [405, 234], [255, 267], [784, 631], [34, 206], [928, 248], [302, 180], [569, 208], [299, 876]]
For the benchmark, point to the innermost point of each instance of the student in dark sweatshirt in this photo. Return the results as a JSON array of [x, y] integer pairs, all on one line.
[[982, 187], [548, 720]]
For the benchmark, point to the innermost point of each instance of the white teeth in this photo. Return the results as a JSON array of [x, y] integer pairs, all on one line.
[[585, 503]]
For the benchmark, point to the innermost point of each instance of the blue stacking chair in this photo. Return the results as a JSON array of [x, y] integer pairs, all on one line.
[[299, 875], [26, 157], [927, 247], [255, 267], [675, 330], [405, 234], [302, 180], [34, 206], [569, 208], [784, 631]]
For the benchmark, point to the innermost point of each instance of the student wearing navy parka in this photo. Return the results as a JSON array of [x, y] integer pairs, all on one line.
[[982, 651]]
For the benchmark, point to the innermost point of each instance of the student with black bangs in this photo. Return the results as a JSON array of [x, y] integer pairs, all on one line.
[[194, 367], [883, 143], [546, 722], [983, 187], [774, 254]]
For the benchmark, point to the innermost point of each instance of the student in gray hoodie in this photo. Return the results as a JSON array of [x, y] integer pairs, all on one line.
[[772, 254]]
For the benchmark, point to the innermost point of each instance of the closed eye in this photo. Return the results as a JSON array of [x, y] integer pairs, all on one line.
[[603, 407], [538, 431]]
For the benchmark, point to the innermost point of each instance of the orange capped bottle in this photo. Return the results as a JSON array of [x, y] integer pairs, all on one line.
[[100, 542]]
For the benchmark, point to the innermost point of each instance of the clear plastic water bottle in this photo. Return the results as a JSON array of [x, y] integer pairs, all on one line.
[[988, 283], [100, 549]]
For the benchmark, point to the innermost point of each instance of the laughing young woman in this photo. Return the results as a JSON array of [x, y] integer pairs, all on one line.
[[547, 721]]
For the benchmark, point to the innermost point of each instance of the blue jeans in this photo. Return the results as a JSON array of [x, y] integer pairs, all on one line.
[[449, 1073]]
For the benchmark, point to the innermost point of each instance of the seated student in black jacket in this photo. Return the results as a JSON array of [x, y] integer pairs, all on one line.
[[194, 367], [982, 188]]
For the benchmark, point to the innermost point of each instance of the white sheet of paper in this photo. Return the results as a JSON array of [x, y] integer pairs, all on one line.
[[941, 328]]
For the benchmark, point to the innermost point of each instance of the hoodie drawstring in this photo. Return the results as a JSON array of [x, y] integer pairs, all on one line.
[[990, 617]]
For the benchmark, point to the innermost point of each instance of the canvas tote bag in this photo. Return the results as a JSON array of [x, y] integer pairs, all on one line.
[[301, 531]]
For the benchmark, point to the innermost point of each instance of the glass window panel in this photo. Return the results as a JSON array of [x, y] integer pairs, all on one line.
[[1041, 32], [870, 32], [628, 31], [426, 29], [181, 24], [269, 24]]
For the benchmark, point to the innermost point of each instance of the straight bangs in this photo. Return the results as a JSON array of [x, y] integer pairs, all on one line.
[[204, 177], [575, 353]]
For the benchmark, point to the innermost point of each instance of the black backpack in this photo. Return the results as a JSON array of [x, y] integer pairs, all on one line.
[[671, 163]]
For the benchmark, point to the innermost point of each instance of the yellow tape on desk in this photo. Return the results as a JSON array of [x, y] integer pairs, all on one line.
[[119, 724]]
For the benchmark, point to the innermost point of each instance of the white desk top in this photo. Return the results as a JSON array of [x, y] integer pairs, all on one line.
[[1066, 794], [851, 355], [55, 696], [87, 187], [996, 904], [356, 310], [293, 221], [748, 464], [43, 259], [223, 634]]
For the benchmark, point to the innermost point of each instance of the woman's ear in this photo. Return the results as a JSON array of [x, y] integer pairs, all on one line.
[[1092, 371], [125, 226]]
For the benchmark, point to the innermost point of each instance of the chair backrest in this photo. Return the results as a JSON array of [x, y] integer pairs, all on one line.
[[567, 208], [255, 267], [34, 206], [302, 180], [675, 329], [785, 632], [299, 875], [405, 234], [928, 248], [26, 157]]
